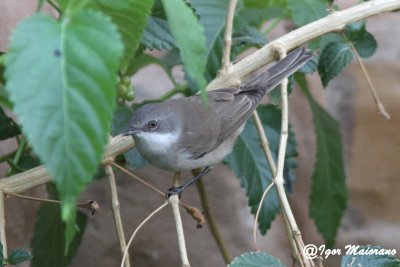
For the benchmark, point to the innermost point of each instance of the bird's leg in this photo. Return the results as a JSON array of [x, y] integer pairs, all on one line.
[[179, 189]]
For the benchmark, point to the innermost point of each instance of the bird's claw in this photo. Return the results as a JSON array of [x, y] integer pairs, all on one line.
[[174, 191]]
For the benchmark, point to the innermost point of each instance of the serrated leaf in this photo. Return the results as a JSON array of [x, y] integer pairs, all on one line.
[[248, 162], [190, 40], [255, 259], [363, 41], [157, 35], [248, 35], [361, 256], [306, 11], [310, 66], [64, 103], [328, 191], [130, 16], [212, 17], [48, 241], [8, 128], [122, 116], [18, 256], [333, 59]]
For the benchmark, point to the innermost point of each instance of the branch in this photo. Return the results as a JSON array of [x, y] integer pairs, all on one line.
[[89, 205], [23, 181], [333, 22], [3, 237], [115, 208], [279, 182], [228, 35], [174, 202]]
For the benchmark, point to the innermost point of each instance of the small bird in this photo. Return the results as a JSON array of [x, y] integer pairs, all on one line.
[[185, 133]]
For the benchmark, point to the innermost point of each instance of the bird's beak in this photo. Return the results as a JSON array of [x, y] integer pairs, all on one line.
[[130, 131]]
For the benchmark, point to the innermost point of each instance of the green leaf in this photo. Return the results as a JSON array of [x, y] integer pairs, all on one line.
[[48, 241], [61, 77], [8, 128], [363, 41], [189, 36], [131, 17], [212, 17], [122, 116], [255, 259], [310, 66], [328, 191], [248, 162], [157, 35], [361, 256], [332, 60], [18, 256], [65, 102], [306, 11]]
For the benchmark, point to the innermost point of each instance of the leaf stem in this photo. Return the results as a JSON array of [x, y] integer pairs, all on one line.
[[178, 89], [379, 106], [212, 223], [18, 154]]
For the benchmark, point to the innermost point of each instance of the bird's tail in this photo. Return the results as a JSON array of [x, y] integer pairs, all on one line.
[[282, 69]]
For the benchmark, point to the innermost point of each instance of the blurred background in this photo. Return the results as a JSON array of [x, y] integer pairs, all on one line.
[[372, 155]]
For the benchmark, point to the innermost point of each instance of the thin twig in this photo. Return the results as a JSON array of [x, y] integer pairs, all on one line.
[[260, 204], [155, 189], [271, 163], [137, 230], [53, 5], [294, 230], [117, 215], [3, 237], [230, 14], [192, 211], [379, 106], [90, 205], [212, 223], [264, 142]]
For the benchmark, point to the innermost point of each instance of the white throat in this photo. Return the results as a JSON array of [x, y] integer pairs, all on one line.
[[157, 141]]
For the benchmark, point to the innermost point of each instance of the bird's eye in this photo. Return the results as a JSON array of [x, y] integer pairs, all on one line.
[[153, 124]]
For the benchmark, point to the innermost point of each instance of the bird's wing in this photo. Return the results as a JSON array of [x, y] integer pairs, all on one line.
[[228, 109]]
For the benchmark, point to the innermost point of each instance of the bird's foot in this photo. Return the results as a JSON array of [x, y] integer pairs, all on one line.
[[174, 191]]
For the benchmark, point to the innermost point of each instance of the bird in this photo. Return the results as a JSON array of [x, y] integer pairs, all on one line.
[[186, 133]]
